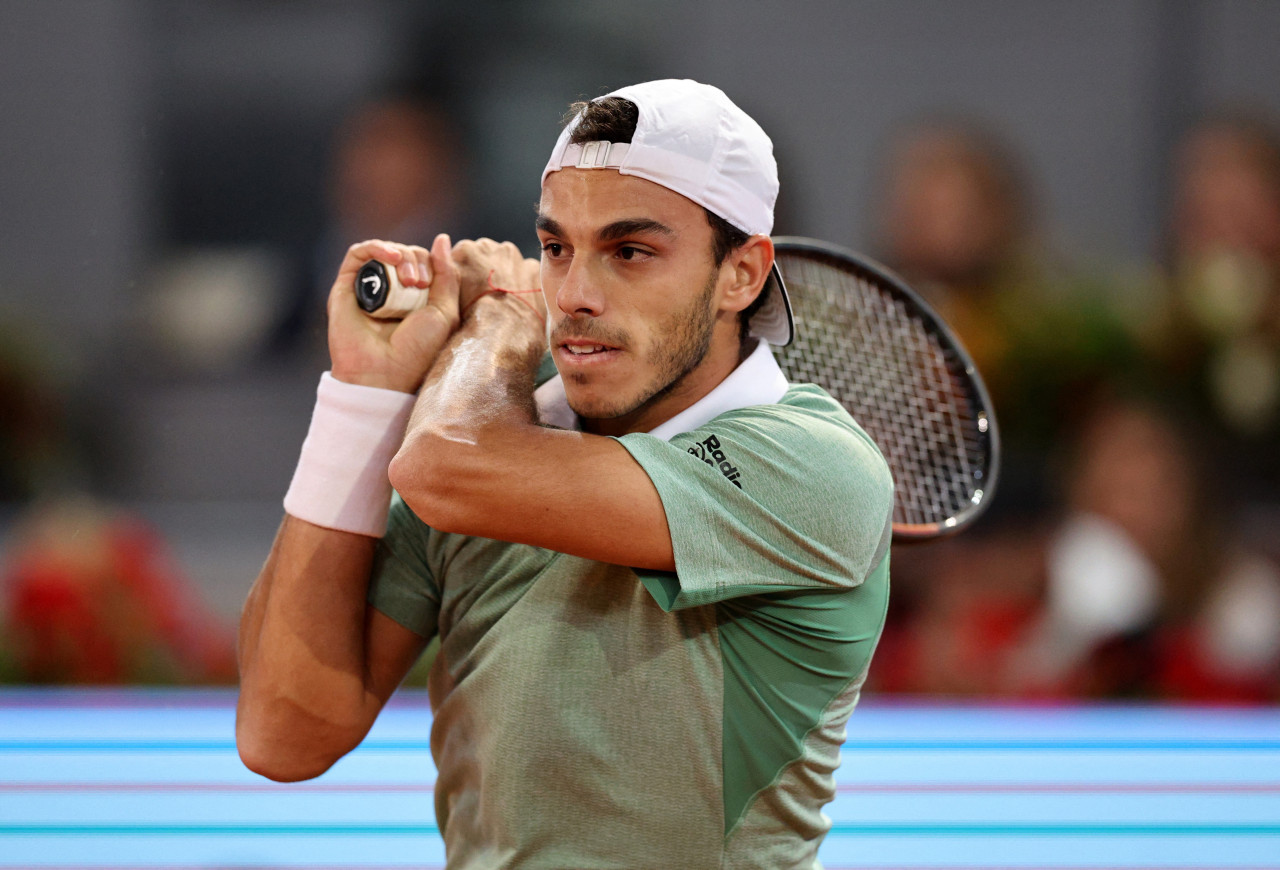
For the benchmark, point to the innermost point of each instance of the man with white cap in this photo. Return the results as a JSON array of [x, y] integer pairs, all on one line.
[[657, 578]]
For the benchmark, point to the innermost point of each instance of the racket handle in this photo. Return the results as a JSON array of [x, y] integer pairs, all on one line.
[[380, 293]]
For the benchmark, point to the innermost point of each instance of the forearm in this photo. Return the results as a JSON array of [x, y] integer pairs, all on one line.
[[484, 376], [310, 687], [476, 404], [476, 462], [316, 662], [306, 696]]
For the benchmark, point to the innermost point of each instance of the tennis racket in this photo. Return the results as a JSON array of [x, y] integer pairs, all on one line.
[[870, 341]]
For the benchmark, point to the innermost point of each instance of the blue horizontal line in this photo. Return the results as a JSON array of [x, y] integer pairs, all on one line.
[[112, 746], [1057, 829], [167, 746], [1040, 745], [904, 746], [191, 830], [837, 829]]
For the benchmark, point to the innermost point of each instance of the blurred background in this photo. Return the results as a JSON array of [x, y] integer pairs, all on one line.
[[1089, 192]]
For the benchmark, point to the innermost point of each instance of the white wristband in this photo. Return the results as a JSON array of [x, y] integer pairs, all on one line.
[[341, 479]]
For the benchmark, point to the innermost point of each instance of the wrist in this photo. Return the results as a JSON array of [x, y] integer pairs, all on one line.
[[500, 300], [373, 380], [341, 478]]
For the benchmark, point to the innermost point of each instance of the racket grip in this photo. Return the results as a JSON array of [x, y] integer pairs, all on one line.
[[380, 294]]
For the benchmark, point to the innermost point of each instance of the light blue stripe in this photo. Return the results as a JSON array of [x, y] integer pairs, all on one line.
[[229, 809], [846, 828], [1041, 830], [854, 746], [160, 740], [170, 746], [849, 748], [225, 830], [1030, 852], [1053, 808]]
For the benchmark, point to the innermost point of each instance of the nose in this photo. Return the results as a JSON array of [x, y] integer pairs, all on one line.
[[579, 294]]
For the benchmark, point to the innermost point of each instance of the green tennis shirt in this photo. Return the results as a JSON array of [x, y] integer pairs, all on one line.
[[589, 715]]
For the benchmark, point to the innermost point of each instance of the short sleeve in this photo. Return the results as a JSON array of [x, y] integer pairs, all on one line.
[[401, 584], [771, 498]]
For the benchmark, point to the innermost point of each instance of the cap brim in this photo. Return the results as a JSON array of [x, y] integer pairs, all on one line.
[[773, 322]]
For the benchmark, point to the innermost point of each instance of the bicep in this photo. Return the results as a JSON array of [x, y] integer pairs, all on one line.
[[570, 492]]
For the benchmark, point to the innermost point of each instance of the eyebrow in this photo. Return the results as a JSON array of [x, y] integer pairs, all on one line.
[[614, 231], [547, 225], [633, 227]]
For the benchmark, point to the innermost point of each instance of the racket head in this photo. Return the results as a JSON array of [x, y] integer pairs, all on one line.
[[868, 339]]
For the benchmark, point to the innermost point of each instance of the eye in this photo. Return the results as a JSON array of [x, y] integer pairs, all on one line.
[[553, 249], [628, 252]]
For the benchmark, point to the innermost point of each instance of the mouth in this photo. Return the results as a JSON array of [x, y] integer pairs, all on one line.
[[584, 351]]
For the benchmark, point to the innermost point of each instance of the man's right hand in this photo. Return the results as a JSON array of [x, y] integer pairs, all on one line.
[[393, 355]]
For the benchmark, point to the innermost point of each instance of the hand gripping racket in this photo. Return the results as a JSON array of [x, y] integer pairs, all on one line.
[[866, 338], [380, 293]]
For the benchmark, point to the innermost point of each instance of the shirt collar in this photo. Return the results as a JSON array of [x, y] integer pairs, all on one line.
[[756, 381]]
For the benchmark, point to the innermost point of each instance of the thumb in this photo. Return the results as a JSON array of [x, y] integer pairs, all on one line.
[[424, 332], [443, 295]]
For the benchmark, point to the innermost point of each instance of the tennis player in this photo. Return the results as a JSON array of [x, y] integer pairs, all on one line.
[[657, 570]]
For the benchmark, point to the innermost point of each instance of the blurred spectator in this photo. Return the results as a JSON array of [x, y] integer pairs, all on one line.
[[1223, 338], [958, 224], [91, 595], [1140, 591], [1134, 587], [956, 212], [1148, 593], [398, 172], [959, 612]]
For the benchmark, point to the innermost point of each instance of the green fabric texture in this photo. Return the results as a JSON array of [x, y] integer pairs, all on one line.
[[807, 508], [785, 533], [404, 586], [546, 370], [591, 715], [786, 658]]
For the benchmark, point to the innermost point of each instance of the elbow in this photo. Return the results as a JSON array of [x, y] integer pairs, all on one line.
[[286, 754], [428, 472], [263, 762], [407, 469]]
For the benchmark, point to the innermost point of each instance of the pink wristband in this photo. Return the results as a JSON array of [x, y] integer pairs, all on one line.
[[341, 479]]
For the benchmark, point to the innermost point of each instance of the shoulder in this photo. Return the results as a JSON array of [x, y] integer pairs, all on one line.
[[804, 433], [801, 462], [806, 408], [790, 495]]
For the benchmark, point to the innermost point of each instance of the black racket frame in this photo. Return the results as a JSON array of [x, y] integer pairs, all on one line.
[[887, 281]]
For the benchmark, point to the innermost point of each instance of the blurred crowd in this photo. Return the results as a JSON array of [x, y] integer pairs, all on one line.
[[1131, 550]]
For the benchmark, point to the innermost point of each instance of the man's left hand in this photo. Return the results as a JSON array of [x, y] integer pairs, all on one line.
[[484, 265]]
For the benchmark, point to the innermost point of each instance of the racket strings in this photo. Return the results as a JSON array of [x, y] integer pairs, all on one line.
[[879, 359]]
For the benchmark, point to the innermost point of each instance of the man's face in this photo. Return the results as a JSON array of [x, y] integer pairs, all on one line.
[[631, 294]]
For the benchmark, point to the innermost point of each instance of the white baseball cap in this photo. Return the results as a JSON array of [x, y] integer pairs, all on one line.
[[690, 138]]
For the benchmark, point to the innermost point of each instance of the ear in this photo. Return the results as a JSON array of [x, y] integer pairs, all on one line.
[[744, 271]]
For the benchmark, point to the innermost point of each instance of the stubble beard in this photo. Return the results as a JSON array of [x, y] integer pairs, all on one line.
[[680, 346]]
